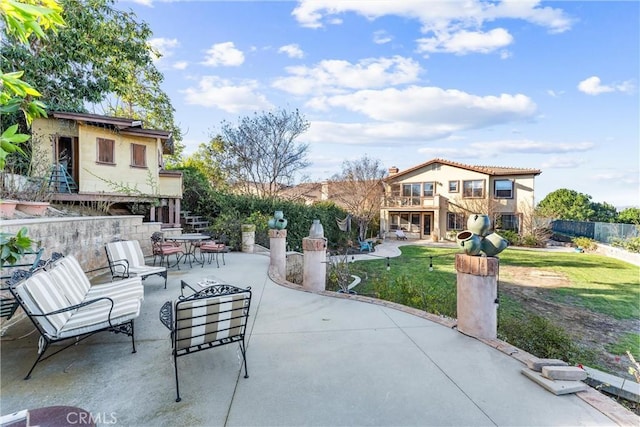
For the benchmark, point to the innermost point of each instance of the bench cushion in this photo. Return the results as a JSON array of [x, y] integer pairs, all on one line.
[[207, 320], [40, 295], [95, 316], [121, 290]]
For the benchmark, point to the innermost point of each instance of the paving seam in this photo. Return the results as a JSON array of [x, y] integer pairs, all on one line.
[[439, 368], [248, 341], [613, 410]]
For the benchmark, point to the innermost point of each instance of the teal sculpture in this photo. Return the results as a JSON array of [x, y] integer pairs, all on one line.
[[277, 222], [477, 239]]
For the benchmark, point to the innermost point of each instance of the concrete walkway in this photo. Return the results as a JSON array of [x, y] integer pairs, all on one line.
[[312, 360]]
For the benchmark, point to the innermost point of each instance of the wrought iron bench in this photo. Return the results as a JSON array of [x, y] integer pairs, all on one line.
[[212, 317], [126, 259], [8, 304], [63, 305]]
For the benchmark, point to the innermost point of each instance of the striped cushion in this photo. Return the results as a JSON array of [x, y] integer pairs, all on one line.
[[129, 250], [68, 287], [146, 270], [41, 295], [121, 290], [71, 264], [95, 316], [211, 319]]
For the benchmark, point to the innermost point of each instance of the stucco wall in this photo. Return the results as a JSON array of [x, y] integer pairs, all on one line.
[[85, 237]]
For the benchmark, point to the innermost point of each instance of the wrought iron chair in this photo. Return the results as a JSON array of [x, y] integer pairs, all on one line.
[[163, 249], [212, 317], [213, 249], [126, 259]]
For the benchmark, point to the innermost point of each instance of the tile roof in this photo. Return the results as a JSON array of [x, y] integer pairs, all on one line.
[[489, 170]]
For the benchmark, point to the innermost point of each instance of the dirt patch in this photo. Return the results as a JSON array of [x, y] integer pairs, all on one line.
[[595, 331]]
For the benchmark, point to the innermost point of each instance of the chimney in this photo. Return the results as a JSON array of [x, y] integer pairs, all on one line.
[[324, 190], [393, 170]]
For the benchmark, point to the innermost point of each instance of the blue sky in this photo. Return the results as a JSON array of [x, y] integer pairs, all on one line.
[[547, 85]]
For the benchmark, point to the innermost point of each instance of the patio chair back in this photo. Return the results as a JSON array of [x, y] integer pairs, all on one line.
[[126, 250], [212, 317]]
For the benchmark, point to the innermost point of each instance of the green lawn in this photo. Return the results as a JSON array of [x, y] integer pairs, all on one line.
[[597, 283]]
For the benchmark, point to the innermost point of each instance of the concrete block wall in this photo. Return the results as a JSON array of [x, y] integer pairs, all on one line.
[[85, 237]]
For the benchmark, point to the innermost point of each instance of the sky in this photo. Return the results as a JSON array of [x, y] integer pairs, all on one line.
[[515, 83]]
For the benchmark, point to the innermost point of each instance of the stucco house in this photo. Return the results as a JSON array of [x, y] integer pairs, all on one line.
[[95, 158], [435, 198]]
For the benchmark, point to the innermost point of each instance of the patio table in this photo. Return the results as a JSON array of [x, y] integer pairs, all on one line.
[[191, 243]]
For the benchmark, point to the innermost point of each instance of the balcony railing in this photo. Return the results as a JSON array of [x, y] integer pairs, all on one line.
[[412, 202]]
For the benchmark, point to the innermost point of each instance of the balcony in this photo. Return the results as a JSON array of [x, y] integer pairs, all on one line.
[[412, 202]]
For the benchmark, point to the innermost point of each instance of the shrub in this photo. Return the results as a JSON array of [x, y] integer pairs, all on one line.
[[512, 237], [533, 241], [631, 244], [585, 243], [538, 336]]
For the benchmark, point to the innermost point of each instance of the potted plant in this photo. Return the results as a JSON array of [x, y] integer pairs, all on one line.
[[13, 247]]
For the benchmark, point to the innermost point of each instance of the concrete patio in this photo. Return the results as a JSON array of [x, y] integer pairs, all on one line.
[[312, 360]]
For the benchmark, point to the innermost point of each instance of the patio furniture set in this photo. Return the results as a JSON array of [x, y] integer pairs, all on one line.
[[63, 305]]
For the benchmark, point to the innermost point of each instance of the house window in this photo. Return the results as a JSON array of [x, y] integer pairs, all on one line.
[[138, 155], [428, 189], [406, 221], [453, 186], [507, 222], [455, 221], [411, 194], [473, 188], [105, 148], [503, 189]]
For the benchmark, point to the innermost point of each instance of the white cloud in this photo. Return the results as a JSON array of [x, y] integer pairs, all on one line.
[[533, 147], [435, 16], [593, 86], [293, 50], [381, 37], [449, 26], [446, 110], [569, 162], [223, 54], [331, 76], [164, 46], [625, 177], [372, 133], [180, 65], [464, 42], [148, 3], [213, 91]]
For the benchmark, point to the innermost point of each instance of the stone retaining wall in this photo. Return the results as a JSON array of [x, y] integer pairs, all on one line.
[[85, 237], [619, 253]]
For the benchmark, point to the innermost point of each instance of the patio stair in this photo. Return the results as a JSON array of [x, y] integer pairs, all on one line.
[[194, 223]]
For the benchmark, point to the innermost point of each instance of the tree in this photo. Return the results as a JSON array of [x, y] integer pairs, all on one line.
[[566, 204], [205, 160], [23, 20], [102, 53], [358, 187], [629, 216], [260, 155], [603, 212]]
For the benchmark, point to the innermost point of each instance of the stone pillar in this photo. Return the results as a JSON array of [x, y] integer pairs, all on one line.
[[477, 295], [278, 245], [248, 237], [314, 270]]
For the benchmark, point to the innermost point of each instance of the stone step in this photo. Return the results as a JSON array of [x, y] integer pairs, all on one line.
[[555, 387], [537, 364], [566, 373]]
